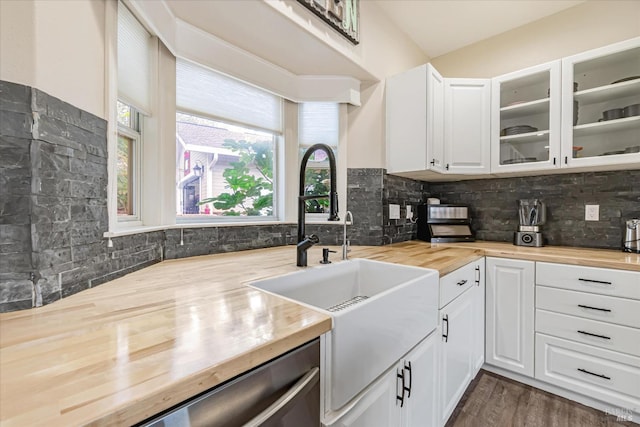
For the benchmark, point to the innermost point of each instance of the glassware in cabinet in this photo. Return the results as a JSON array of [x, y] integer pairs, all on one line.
[[526, 123], [608, 99]]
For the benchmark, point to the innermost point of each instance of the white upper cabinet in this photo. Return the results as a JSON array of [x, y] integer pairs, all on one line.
[[606, 103], [437, 125], [525, 128], [414, 120], [467, 116]]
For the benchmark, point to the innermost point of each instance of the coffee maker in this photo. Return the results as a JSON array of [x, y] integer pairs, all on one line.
[[532, 214]]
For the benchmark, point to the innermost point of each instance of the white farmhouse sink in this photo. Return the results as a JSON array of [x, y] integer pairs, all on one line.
[[379, 310]]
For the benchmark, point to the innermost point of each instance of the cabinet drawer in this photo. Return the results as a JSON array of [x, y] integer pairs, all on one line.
[[625, 312], [611, 377], [456, 282], [603, 281], [592, 332]]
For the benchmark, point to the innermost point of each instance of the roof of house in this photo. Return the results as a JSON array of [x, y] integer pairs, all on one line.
[[195, 135]]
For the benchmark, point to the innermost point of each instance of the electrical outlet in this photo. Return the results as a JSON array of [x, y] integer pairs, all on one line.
[[591, 212], [409, 213], [394, 211]]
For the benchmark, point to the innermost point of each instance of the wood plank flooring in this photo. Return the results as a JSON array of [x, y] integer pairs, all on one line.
[[495, 401]]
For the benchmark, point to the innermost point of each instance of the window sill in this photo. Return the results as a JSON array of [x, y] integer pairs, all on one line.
[[127, 231]]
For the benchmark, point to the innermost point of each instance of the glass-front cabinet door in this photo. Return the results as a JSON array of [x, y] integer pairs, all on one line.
[[526, 119], [601, 118]]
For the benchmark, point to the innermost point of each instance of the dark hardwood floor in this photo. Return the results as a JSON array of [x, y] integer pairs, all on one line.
[[495, 401]]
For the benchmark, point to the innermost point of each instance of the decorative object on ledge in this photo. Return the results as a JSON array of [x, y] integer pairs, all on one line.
[[342, 15]]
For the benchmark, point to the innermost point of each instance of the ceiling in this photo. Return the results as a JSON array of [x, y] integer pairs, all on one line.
[[436, 26], [442, 26]]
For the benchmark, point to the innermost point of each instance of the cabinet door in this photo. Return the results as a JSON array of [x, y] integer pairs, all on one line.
[[377, 406], [455, 352], [406, 121], [510, 314], [602, 83], [466, 125], [421, 369], [414, 120], [525, 119], [478, 323]]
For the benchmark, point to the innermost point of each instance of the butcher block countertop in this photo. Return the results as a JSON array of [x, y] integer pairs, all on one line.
[[128, 349], [603, 258]]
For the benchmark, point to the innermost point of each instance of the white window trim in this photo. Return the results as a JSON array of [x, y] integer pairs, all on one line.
[[279, 142], [292, 170], [285, 188], [136, 187]]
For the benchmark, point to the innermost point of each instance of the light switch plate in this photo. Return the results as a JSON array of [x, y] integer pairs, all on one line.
[[591, 212], [394, 211], [409, 213]]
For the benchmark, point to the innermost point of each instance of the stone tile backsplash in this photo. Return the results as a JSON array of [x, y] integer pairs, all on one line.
[[494, 212]]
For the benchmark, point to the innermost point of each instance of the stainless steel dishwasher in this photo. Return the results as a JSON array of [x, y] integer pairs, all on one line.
[[284, 392]]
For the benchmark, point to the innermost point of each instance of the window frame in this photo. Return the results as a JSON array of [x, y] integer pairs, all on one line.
[[278, 141], [136, 136], [337, 152]]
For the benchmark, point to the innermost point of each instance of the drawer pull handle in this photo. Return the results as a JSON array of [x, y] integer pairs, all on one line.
[[462, 282], [478, 275], [594, 335], [595, 375], [594, 308], [602, 282]]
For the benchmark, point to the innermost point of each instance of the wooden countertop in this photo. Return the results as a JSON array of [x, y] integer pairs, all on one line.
[[603, 258], [123, 351]]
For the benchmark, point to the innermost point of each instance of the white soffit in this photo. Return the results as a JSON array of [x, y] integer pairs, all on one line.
[[312, 78], [442, 26]]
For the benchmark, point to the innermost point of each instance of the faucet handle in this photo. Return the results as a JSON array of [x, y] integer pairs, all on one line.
[[313, 239]]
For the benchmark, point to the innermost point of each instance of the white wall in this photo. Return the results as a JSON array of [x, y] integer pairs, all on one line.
[[56, 46], [385, 51], [587, 26]]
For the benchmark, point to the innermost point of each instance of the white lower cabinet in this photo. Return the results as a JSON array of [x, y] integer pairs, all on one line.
[[421, 404], [405, 396], [510, 306], [587, 332], [606, 375], [456, 351], [375, 407], [479, 290]]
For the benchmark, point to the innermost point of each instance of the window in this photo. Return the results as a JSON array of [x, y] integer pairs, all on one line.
[[318, 122], [135, 51], [227, 139], [223, 170], [127, 166]]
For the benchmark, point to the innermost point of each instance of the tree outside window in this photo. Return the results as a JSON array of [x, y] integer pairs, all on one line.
[[231, 169]]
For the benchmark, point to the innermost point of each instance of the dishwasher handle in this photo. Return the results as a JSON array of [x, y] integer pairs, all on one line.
[[287, 400]]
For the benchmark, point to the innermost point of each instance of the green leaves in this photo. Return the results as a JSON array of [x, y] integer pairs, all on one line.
[[249, 180]]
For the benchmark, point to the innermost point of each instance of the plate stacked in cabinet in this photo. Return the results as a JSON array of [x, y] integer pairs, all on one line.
[[608, 104], [588, 332], [526, 128]]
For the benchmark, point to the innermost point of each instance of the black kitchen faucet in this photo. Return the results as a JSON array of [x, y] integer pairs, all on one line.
[[305, 242]]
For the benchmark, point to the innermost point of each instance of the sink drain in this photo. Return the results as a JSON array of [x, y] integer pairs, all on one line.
[[348, 303]]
